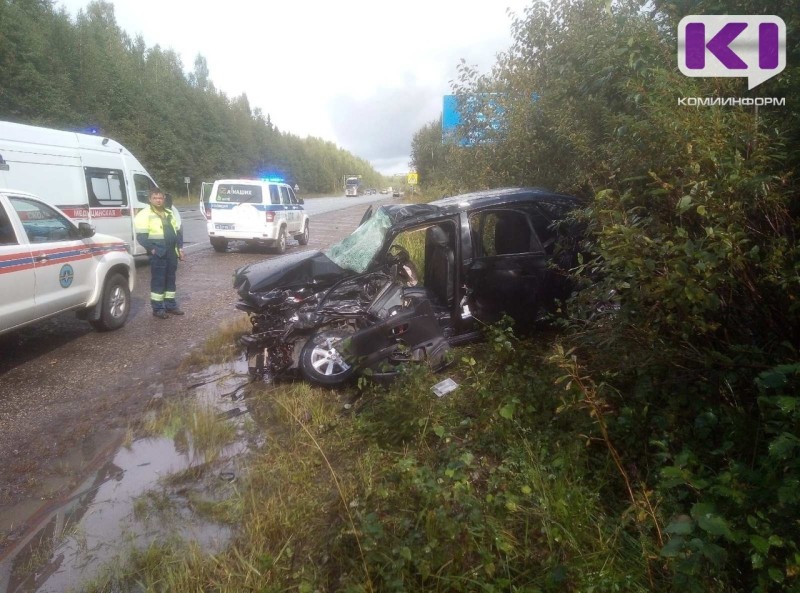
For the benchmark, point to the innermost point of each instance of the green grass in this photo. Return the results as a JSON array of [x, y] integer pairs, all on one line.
[[191, 426], [489, 488], [219, 347]]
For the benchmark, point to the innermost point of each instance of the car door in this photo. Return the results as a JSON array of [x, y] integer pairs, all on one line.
[[291, 215], [297, 210], [509, 265], [17, 276], [63, 262]]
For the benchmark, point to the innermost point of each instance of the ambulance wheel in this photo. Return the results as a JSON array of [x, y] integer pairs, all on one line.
[[280, 242], [115, 304], [303, 239], [220, 245]]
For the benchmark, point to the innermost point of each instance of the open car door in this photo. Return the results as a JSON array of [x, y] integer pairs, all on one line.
[[205, 195]]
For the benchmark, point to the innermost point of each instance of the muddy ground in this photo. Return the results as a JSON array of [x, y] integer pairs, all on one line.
[[61, 383]]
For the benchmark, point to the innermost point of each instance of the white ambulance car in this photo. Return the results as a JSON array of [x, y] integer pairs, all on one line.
[[49, 265]]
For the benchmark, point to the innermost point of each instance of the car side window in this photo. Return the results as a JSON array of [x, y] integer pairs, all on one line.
[[43, 224], [502, 232], [285, 199], [292, 197], [7, 234], [274, 196]]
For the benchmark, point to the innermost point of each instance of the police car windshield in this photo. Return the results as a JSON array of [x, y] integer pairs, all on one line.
[[356, 251]]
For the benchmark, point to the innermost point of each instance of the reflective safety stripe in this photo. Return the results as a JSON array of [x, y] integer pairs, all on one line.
[[169, 295], [154, 296], [147, 221]]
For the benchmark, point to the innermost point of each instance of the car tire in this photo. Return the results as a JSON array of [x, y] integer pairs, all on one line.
[[303, 238], [280, 242], [115, 304], [220, 245], [320, 361]]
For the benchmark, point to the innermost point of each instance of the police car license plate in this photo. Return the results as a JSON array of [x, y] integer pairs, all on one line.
[[223, 227]]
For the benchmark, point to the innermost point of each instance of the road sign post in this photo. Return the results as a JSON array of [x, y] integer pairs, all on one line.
[[186, 181]]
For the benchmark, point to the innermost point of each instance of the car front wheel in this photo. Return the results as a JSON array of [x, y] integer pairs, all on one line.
[[321, 360], [115, 304]]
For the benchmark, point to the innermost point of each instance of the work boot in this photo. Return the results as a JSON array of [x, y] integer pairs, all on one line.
[[175, 311], [160, 313]]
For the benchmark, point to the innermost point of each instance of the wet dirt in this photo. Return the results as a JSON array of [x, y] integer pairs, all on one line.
[[131, 499]]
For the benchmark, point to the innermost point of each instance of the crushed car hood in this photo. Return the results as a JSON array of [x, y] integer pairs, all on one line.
[[288, 272], [350, 257]]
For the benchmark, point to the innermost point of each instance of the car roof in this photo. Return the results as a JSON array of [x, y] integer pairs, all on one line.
[[18, 193], [507, 196], [252, 181]]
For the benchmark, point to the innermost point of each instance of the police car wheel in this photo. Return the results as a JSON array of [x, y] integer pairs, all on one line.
[[115, 304], [220, 245], [303, 239], [280, 242]]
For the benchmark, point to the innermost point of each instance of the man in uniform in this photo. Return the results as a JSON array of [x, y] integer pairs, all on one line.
[[160, 233]]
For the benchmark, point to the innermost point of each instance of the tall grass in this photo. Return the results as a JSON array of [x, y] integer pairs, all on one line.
[[489, 488]]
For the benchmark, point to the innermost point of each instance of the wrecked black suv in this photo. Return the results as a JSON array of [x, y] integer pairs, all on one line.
[[408, 283]]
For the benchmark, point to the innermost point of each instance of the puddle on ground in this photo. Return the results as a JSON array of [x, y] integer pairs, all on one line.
[[78, 527]]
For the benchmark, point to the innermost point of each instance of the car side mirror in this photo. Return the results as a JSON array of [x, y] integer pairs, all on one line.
[[301, 200], [86, 230]]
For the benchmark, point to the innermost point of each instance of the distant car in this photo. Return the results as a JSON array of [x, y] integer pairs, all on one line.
[[366, 303], [49, 265], [384, 191], [396, 193]]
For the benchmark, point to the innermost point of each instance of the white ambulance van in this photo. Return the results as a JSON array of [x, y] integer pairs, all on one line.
[[90, 178], [256, 211]]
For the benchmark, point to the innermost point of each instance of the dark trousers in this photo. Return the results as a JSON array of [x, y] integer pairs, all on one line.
[[162, 280]]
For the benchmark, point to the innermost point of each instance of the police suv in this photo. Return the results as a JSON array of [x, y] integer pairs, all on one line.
[[49, 265], [262, 212]]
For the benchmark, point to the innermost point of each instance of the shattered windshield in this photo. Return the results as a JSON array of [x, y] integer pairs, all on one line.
[[356, 251]]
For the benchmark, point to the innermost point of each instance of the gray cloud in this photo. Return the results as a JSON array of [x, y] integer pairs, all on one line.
[[380, 127]]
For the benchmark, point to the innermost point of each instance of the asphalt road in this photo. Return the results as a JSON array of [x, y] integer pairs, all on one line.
[[61, 382]]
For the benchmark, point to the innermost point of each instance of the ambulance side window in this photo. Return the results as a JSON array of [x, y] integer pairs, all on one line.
[[7, 234], [105, 188], [274, 196]]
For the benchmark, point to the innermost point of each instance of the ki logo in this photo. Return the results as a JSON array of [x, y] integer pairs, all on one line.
[[751, 46]]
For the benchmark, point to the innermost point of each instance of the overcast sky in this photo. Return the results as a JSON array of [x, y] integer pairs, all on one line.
[[364, 74]]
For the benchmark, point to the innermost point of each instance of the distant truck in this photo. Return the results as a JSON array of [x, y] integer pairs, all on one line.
[[352, 186]]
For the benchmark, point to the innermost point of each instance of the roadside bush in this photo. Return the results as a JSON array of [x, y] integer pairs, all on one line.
[[685, 337]]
